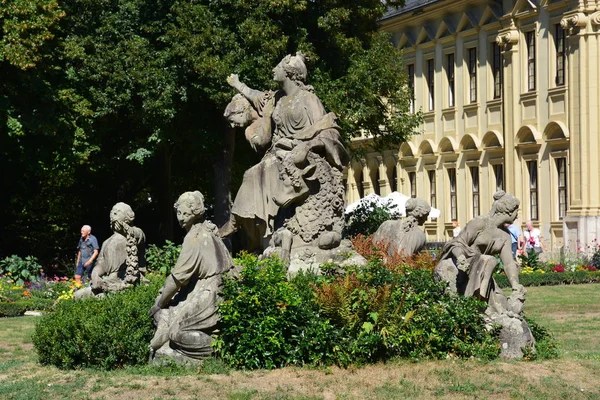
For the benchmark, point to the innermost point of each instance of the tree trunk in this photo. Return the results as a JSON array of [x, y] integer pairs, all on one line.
[[165, 201], [223, 165]]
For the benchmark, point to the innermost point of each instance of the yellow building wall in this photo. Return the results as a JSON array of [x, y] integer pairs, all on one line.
[[527, 132]]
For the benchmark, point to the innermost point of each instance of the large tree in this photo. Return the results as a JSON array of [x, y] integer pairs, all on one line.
[[143, 85]]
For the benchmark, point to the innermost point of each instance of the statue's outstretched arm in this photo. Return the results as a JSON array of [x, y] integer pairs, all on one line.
[[251, 94]]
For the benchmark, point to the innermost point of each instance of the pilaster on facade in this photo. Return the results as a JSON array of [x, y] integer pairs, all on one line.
[[583, 28]]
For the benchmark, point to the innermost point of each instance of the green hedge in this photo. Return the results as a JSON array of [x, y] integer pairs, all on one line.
[[364, 315], [101, 333], [18, 307], [551, 278]]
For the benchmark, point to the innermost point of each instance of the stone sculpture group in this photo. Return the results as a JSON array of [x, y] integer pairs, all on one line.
[[297, 189], [295, 197]]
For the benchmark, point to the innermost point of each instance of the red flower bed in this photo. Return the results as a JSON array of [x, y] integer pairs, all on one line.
[[558, 268]]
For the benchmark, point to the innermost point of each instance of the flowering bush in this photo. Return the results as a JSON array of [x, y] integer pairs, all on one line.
[[586, 268], [558, 268], [16, 296], [21, 269]]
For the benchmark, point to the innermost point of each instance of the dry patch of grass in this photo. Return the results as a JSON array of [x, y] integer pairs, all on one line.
[[570, 312]]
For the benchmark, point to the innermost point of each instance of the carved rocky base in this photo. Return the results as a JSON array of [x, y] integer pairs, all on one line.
[[114, 287], [515, 334], [87, 292], [166, 355], [310, 258]]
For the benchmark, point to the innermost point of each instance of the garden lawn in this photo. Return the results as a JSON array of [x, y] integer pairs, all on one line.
[[572, 313]]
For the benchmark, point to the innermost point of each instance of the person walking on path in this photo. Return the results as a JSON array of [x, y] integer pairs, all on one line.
[[87, 251]]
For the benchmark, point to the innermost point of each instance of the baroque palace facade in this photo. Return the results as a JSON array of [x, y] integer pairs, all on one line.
[[511, 100]]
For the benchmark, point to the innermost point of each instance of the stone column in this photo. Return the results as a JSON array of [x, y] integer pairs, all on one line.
[[366, 177], [384, 183], [583, 216], [352, 190], [508, 39], [398, 168]]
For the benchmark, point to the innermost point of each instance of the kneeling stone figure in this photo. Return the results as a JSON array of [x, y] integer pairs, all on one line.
[[185, 312]]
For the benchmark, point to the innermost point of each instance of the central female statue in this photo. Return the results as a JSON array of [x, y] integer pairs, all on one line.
[[304, 158]]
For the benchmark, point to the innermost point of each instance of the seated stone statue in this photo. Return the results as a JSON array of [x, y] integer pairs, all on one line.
[[185, 312], [121, 261], [468, 262], [298, 184], [404, 236]]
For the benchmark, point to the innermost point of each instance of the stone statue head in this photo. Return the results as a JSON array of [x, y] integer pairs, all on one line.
[[121, 212], [294, 67], [189, 208], [505, 208], [239, 112], [418, 209]]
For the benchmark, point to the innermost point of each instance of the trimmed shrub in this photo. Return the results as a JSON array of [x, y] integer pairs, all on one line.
[[551, 278], [269, 322], [161, 260], [103, 333], [365, 314], [18, 307]]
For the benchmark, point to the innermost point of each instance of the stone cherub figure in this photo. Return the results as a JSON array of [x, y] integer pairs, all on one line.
[[298, 184], [185, 312], [121, 261], [405, 236], [468, 262]]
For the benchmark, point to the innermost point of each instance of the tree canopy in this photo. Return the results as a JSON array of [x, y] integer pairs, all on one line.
[[104, 101]]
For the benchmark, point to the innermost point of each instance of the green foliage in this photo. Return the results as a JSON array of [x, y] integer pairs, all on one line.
[[269, 322], [51, 289], [109, 92], [546, 347], [594, 260], [21, 269], [161, 260], [18, 307], [365, 314], [367, 217], [99, 333], [26, 25], [551, 278], [387, 313], [530, 259]]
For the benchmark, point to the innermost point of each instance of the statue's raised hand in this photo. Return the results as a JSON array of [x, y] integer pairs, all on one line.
[[234, 81]]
